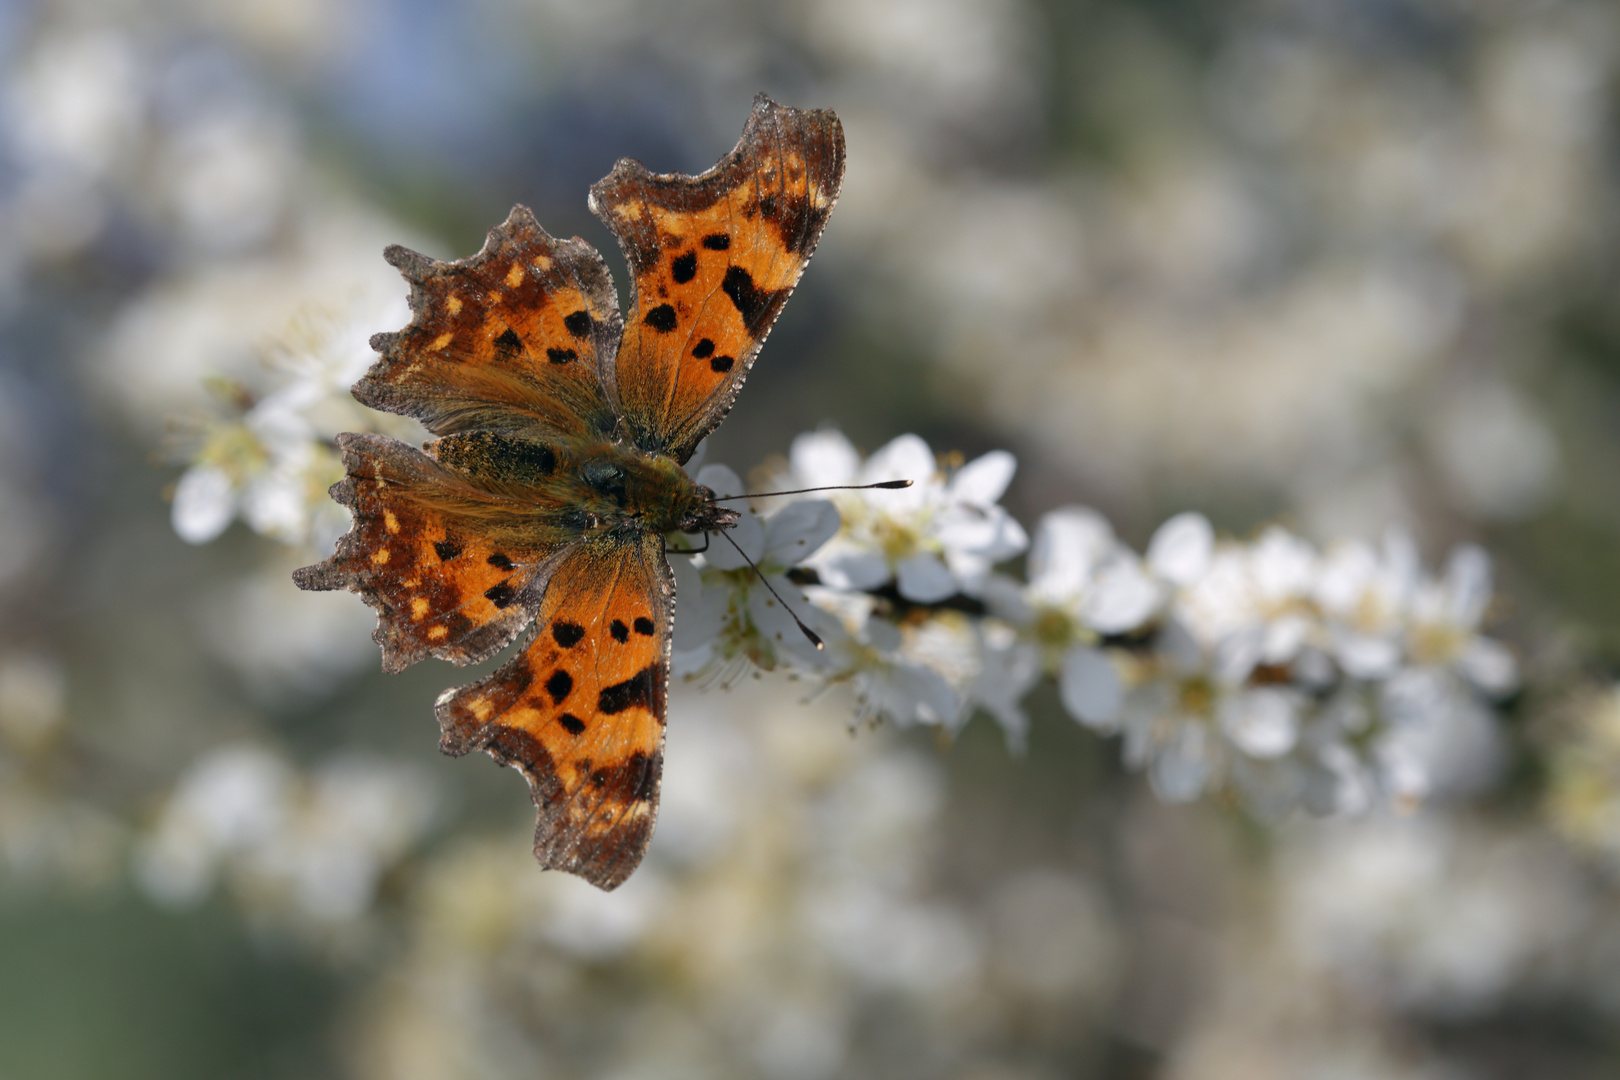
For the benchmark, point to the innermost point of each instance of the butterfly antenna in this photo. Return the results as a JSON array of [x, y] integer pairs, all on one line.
[[890, 485], [815, 639]]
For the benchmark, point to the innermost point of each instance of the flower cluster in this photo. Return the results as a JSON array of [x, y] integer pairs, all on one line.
[[1583, 792], [295, 847], [1337, 678], [271, 458]]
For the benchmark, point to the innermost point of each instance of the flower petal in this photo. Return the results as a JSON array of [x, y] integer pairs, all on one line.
[[852, 568], [1183, 766], [722, 480], [748, 535], [798, 530], [700, 608], [1263, 722], [1007, 672], [777, 625], [990, 532], [904, 458], [1121, 597], [1180, 550], [1090, 688], [1281, 565], [276, 504], [1490, 666], [923, 579], [982, 481], [823, 458], [1068, 545], [1366, 657], [694, 464], [1468, 585], [204, 504]]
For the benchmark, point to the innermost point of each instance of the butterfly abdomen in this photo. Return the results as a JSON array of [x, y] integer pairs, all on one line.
[[491, 459]]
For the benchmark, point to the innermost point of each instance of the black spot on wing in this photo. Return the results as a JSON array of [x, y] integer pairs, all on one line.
[[571, 723], [752, 303], [447, 549], [717, 241], [721, 363], [579, 324], [620, 632], [567, 634], [499, 561], [683, 268], [559, 686], [561, 356], [508, 344], [661, 318], [703, 349], [500, 595], [635, 692], [645, 626]]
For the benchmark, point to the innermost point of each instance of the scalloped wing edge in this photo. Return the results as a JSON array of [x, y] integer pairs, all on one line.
[[417, 269], [629, 170], [329, 575]]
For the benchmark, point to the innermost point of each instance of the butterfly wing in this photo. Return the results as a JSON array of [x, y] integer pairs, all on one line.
[[422, 553], [713, 259], [581, 710], [512, 338]]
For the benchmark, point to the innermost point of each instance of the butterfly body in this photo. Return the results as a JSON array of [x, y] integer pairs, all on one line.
[[540, 509], [577, 488]]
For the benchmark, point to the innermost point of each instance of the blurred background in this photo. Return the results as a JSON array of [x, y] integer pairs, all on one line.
[[1342, 264]]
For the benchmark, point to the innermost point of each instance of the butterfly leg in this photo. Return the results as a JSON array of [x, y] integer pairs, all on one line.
[[689, 551]]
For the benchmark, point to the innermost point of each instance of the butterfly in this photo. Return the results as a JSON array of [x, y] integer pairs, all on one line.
[[542, 505]]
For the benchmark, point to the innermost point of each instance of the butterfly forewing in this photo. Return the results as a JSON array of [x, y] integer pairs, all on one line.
[[713, 259], [512, 339], [421, 552], [581, 710]]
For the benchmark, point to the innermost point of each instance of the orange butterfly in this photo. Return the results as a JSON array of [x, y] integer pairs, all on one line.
[[556, 473]]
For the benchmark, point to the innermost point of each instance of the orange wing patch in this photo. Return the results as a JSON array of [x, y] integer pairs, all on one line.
[[714, 257], [515, 336], [581, 710], [420, 555]]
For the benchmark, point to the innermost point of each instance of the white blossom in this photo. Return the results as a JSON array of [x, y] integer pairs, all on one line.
[[313, 844], [1363, 594], [940, 536], [729, 616], [272, 464], [1445, 620], [1083, 584]]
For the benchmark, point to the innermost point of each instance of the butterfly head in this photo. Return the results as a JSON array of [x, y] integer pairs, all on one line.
[[707, 515]]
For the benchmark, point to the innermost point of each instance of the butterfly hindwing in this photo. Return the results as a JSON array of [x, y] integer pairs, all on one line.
[[581, 710], [513, 338], [713, 259], [421, 553]]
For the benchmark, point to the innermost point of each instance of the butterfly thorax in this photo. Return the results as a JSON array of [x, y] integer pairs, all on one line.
[[583, 486]]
